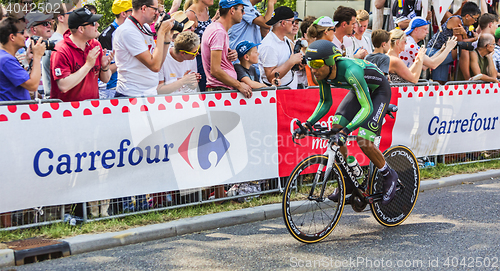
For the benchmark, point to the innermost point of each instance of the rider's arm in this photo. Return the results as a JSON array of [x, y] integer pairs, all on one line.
[[325, 102], [354, 76]]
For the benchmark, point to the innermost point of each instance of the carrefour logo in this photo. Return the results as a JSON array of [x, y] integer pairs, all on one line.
[[205, 147]]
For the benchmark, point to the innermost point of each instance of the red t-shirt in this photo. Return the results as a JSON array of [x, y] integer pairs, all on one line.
[[68, 59]]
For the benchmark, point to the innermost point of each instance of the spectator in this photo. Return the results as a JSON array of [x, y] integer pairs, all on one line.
[[308, 21], [488, 23], [275, 52], [253, 25], [346, 18], [38, 25], [79, 60], [91, 7], [197, 11], [215, 50], [245, 70], [457, 26], [405, 10], [61, 26], [138, 59], [379, 57], [16, 82], [496, 54], [121, 9], [416, 32], [179, 71], [322, 28], [398, 72], [360, 40], [481, 60], [295, 28]]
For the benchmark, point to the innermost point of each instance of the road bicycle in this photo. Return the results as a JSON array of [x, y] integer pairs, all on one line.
[[310, 216]]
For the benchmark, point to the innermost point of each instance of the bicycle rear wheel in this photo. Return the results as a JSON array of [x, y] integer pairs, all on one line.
[[311, 218], [404, 162]]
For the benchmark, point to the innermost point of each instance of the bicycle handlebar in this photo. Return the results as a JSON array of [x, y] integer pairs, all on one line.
[[320, 131]]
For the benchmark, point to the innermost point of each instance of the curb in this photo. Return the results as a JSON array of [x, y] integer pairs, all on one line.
[[7, 258], [87, 243]]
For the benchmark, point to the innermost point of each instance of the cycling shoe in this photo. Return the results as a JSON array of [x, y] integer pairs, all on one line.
[[389, 187]]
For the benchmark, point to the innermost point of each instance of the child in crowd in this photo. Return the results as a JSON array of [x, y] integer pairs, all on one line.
[[380, 40], [245, 70]]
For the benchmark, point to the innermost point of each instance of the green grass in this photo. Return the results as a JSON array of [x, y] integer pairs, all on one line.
[[63, 230]]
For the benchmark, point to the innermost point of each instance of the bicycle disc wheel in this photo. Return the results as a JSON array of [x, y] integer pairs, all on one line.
[[404, 162], [310, 219]]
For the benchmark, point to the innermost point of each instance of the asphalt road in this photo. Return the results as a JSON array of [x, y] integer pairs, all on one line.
[[450, 228]]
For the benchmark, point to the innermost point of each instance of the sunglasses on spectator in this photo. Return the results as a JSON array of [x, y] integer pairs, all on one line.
[[316, 63], [21, 32], [156, 9], [92, 24], [46, 23], [191, 53]]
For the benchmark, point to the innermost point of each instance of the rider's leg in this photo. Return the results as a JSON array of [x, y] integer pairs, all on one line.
[[390, 176], [371, 151]]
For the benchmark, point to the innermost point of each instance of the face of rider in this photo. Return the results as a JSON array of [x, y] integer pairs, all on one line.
[[321, 73]]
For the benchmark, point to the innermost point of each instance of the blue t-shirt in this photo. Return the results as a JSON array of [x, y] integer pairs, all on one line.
[[12, 75], [246, 29]]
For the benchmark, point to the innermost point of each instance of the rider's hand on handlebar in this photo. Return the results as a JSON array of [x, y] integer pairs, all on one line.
[[340, 139], [300, 132]]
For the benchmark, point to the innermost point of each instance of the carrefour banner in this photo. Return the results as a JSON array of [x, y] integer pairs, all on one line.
[[448, 119], [83, 151], [299, 105]]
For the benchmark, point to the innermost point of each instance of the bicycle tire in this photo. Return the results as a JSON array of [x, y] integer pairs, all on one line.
[[310, 221], [404, 162]]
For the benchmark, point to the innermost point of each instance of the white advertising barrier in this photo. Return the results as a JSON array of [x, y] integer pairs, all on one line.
[[65, 153], [434, 120]]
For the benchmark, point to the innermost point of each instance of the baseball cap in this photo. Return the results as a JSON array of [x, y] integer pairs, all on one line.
[[414, 23], [82, 16], [181, 17], [244, 46], [497, 33], [36, 17], [230, 3], [120, 6], [325, 21], [296, 16], [281, 13]]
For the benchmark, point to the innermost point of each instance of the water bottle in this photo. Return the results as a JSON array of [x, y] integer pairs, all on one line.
[[355, 167]]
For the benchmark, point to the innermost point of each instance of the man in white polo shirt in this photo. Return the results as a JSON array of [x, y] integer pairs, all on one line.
[[138, 59], [276, 50]]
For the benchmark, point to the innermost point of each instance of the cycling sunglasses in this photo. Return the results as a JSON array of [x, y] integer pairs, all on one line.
[[191, 53], [316, 63]]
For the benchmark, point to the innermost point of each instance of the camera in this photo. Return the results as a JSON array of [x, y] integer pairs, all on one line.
[[177, 26], [296, 49], [465, 45], [49, 44]]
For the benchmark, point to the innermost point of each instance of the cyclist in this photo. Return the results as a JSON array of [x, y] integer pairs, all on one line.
[[364, 106]]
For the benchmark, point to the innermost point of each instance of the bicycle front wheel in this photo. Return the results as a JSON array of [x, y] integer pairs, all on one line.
[[404, 162], [309, 215]]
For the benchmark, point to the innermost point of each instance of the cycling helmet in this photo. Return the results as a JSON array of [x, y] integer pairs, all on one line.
[[323, 49]]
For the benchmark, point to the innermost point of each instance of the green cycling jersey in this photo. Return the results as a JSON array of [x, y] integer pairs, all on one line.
[[359, 76]]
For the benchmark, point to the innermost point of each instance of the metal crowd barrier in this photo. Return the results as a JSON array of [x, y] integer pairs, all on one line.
[[138, 204]]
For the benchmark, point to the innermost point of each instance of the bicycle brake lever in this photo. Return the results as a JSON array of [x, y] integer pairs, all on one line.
[[293, 139]]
